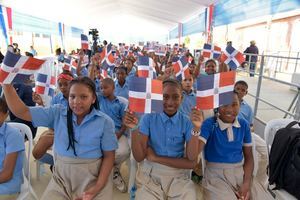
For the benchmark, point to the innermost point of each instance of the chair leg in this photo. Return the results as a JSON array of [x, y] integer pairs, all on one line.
[[38, 170]]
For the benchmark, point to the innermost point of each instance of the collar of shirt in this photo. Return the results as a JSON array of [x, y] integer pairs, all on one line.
[[2, 128], [165, 117], [189, 94], [223, 126], [118, 85], [114, 100], [61, 97], [93, 113]]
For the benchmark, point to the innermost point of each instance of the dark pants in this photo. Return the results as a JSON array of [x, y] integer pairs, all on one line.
[[252, 69]]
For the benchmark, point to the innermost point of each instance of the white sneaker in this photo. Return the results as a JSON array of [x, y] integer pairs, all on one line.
[[118, 181]]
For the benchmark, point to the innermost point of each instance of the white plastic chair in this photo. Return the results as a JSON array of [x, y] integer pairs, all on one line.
[[131, 162], [270, 131], [27, 191]]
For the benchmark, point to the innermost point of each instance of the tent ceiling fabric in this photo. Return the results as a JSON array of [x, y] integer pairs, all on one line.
[[95, 13]]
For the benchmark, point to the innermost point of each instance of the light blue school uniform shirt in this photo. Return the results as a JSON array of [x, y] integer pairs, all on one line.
[[188, 102], [221, 147], [122, 91], [95, 134], [11, 140], [166, 135], [115, 109], [132, 73], [246, 112], [59, 99]]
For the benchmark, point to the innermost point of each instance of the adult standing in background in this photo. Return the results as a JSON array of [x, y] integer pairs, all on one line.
[[252, 59], [33, 51]]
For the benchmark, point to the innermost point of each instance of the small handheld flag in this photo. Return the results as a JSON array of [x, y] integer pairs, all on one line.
[[181, 68], [211, 51], [84, 42], [145, 95], [146, 67], [232, 57], [16, 68], [215, 90]]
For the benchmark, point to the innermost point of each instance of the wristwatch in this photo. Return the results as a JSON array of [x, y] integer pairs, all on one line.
[[195, 133]]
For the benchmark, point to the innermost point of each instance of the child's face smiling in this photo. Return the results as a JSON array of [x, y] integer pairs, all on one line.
[[229, 112], [172, 98]]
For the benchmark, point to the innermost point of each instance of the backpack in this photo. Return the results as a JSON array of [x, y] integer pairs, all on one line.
[[284, 160]]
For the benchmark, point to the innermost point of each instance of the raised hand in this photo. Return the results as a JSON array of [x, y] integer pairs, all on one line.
[[196, 118], [36, 98], [130, 120]]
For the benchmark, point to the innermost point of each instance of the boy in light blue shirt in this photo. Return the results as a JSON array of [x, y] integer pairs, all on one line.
[[189, 96], [121, 86], [115, 109], [246, 112], [11, 156]]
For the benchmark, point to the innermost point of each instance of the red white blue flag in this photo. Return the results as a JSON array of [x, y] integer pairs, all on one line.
[[84, 42], [16, 68], [145, 95], [215, 90], [181, 68], [68, 65], [209, 13], [104, 73], [6, 18], [211, 51], [146, 67], [45, 84], [232, 57], [45, 79], [107, 57]]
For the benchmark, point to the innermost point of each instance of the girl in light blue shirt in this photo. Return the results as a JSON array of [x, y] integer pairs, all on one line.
[[84, 142]]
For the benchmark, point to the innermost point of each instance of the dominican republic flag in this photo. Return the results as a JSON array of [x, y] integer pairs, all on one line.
[[68, 65], [6, 21], [215, 90], [160, 50], [104, 73], [84, 42], [45, 84], [211, 51], [145, 95], [232, 57], [181, 68], [107, 57], [16, 68], [146, 67]]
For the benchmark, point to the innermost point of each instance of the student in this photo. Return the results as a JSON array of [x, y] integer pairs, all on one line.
[[166, 144], [11, 157], [189, 96], [121, 86], [84, 142], [228, 155], [115, 109], [131, 69], [241, 88], [246, 112]]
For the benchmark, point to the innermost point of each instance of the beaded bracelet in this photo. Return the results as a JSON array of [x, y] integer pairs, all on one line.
[[134, 128]]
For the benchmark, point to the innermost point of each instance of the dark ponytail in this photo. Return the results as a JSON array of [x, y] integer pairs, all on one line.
[[91, 85]]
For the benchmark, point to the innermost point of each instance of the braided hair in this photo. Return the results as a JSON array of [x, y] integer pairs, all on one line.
[[91, 85]]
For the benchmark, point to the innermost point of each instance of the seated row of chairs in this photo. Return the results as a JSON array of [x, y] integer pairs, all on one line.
[[27, 190]]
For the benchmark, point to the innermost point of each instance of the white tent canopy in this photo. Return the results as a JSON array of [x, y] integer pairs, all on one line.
[[117, 20]]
